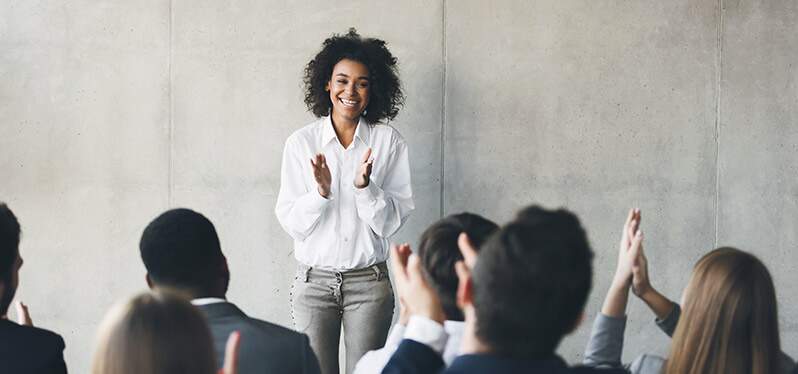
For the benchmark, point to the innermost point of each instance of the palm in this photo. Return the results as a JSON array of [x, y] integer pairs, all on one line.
[[321, 173], [363, 174]]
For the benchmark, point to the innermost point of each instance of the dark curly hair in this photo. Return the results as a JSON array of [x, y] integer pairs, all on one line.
[[385, 96]]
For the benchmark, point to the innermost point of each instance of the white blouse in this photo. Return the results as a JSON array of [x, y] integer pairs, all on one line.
[[349, 229]]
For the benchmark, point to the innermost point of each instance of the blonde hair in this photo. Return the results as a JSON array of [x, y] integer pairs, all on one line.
[[154, 333], [730, 319]]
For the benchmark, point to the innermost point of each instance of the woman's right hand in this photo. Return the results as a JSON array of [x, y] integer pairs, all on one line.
[[641, 285], [321, 173]]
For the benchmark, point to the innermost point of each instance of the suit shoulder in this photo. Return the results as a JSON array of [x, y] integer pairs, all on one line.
[[276, 330], [41, 337]]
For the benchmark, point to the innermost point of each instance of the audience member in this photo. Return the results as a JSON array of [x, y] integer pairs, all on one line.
[[23, 348], [158, 333], [181, 250], [730, 321], [438, 252], [528, 290]]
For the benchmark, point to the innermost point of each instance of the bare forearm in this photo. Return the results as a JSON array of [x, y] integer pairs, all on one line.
[[616, 300], [659, 304]]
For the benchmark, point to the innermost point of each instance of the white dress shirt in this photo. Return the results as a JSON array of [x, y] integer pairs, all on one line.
[[207, 301], [349, 229], [446, 339]]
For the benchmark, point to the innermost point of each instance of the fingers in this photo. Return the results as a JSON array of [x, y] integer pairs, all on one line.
[[231, 353], [23, 316], [467, 249], [366, 156], [399, 259]]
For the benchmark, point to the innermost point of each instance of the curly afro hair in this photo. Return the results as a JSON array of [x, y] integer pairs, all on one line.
[[385, 96]]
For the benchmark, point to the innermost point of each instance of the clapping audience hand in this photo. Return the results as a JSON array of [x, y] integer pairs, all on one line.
[[23, 316], [363, 173], [414, 291], [321, 172], [630, 247], [231, 354]]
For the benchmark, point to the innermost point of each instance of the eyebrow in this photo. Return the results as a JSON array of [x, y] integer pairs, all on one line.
[[346, 76]]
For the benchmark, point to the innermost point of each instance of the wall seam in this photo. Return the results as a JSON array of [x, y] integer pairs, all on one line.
[[170, 178], [442, 207], [718, 88]]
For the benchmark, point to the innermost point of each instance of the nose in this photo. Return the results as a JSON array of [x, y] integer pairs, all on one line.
[[350, 89]]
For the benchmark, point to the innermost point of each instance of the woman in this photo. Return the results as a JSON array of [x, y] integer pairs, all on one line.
[[345, 188], [158, 333], [730, 321]]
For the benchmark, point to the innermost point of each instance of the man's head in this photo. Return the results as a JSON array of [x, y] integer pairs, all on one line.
[[530, 284], [10, 260], [439, 252], [181, 250]]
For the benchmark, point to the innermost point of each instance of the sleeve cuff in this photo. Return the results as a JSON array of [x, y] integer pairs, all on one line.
[[427, 332], [316, 203], [370, 192], [396, 335], [668, 324]]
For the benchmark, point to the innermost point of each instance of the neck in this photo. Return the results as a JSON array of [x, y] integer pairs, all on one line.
[[471, 343], [344, 129]]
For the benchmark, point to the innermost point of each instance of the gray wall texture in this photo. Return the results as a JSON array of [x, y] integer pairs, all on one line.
[[113, 111]]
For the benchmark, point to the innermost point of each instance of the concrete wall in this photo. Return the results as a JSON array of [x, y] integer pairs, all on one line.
[[113, 111]]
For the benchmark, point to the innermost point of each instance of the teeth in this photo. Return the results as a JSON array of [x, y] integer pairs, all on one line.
[[348, 102]]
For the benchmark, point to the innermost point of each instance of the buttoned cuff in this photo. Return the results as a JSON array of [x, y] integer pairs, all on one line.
[[427, 332]]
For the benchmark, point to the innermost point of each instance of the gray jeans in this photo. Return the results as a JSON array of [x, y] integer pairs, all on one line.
[[361, 300]]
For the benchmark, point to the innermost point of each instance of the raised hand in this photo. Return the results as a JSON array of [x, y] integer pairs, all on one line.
[[231, 354], [23, 316], [641, 285], [414, 292], [363, 173], [626, 257], [322, 174]]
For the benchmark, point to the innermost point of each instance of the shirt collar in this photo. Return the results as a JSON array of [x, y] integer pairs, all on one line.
[[207, 300], [362, 132]]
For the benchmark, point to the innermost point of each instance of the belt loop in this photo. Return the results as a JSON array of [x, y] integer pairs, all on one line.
[[377, 271], [307, 273]]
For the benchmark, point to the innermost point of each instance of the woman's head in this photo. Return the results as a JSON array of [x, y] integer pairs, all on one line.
[[353, 76], [730, 319], [155, 333]]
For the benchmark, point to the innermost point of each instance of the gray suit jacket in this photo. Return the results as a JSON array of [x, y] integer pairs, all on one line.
[[605, 346], [265, 347]]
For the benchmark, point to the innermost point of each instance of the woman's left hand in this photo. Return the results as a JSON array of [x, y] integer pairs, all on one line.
[[363, 174]]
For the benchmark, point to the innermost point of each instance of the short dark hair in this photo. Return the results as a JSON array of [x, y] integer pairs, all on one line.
[[385, 96], [180, 249], [531, 283], [439, 252], [10, 232]]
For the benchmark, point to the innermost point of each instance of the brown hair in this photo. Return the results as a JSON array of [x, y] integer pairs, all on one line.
[[154, 333], [730, 320]]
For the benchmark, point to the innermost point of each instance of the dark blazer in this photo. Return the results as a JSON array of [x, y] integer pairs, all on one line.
[[265, 347], [414, 357], [30, 350]]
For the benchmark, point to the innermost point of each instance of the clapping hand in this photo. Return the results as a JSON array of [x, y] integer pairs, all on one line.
[[414, 292], [231, 354], [363, 174], [321, 173], [630, 246], [23, 316]]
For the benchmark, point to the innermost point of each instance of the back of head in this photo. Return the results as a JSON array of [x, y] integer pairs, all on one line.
[[439, 252], [531, 283], [154, 333], [9, 250], [730, 319], [180, 249]]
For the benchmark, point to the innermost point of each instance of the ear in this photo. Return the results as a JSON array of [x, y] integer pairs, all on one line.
[[150, 283], [579, 319], [465, 290]]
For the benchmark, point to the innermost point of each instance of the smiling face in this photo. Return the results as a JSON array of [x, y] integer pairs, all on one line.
[[349, 89]]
